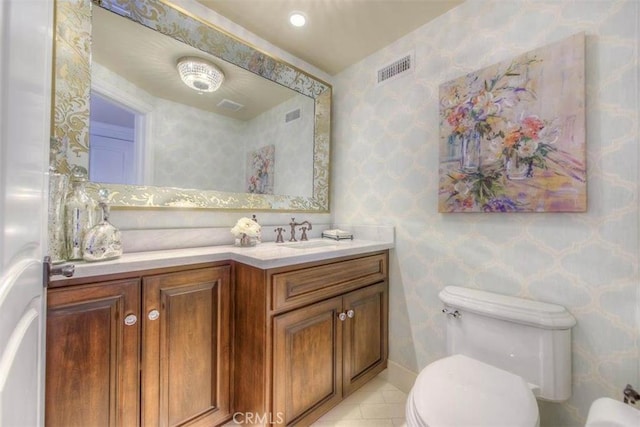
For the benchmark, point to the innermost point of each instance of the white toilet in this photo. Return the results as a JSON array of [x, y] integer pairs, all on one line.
[[504, 353]]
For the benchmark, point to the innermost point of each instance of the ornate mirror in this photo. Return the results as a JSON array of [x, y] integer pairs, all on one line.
[[100, 61]]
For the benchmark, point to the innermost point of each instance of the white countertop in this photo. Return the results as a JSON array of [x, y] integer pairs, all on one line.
[[264, 255]]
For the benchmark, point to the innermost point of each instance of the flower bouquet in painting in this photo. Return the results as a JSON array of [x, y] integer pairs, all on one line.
[[260, 167], [512, 135]]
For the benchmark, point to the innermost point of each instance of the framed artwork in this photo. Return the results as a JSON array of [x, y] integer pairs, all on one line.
[[260, 167], [512, 135]]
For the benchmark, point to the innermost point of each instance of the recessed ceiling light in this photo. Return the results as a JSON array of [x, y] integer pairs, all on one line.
[[297, 19]]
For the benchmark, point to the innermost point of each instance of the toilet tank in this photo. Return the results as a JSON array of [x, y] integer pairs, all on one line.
[[529, 338]]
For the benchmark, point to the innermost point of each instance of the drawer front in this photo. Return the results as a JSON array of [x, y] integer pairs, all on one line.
[[299, 287]]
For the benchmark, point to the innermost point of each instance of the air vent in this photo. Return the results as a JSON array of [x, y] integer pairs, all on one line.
[[230, 105], [396, 68], [292, 115]]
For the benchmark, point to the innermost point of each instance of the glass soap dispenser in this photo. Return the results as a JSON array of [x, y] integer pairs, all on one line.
[[103, 241]]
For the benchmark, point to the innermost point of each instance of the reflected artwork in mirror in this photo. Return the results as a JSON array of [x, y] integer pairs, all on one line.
[[177, 147]]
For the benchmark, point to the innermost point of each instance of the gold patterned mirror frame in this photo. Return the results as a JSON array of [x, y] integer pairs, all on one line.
[[70, 141]]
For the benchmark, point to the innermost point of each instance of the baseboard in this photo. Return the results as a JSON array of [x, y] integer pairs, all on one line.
[[399, 376]]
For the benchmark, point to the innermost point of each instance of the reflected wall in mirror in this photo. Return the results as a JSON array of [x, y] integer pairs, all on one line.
[[290, 117]]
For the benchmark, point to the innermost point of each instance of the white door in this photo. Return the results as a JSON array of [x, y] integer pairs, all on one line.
[[26, 28]]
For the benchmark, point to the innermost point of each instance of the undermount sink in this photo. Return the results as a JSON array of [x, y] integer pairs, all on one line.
[[606, 412], [308, 244]]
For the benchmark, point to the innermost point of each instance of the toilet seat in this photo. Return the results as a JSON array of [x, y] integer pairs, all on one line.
[[459, 391]]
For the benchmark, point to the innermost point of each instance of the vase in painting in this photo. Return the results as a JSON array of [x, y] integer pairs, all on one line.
[[517, 168], [470, 153]]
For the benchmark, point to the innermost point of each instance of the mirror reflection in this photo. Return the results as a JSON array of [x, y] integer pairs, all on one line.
[[76, 78], [148, 128]]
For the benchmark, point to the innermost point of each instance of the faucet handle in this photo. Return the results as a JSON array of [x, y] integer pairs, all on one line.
[[304, 233], [279, 238]]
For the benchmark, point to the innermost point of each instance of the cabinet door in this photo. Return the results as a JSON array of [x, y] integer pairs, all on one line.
[[307, 358], [92, 356], [186, 351], [365, 335]]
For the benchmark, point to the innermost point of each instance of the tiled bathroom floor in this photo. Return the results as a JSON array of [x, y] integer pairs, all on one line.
[[376, 403]]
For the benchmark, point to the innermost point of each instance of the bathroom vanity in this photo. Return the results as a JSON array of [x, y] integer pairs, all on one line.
[[151, 348], [309, 335], [198, 336]]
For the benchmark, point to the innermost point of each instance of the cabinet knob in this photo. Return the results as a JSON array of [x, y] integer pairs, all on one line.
[[130, 320], [350, 314], [342, 316], [154, 314]]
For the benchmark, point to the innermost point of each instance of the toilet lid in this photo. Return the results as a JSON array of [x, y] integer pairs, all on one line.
[[461, 391]]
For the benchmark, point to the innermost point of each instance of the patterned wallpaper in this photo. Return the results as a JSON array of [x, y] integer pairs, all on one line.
[[385, 170]]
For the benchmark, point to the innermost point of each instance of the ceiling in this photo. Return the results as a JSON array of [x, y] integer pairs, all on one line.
[[338, 33]]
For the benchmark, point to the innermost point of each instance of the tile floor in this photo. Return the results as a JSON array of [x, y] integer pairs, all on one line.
[[377, 403]]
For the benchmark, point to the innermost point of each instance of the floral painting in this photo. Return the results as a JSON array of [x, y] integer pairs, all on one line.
[[512, 135], [260, 166]]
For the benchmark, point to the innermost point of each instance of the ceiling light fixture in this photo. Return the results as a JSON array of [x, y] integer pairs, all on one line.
[[199, 74], [297, 19]]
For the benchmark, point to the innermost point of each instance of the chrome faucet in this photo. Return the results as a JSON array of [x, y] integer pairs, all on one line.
[[293, 225]]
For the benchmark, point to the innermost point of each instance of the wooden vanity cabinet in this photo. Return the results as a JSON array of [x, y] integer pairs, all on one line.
[[150, 350], [186, 350], [92, 356], [308, 335]]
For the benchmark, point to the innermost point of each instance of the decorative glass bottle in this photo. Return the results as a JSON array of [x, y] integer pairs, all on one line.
[[80, 214], [58, 188], [103, 241]]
